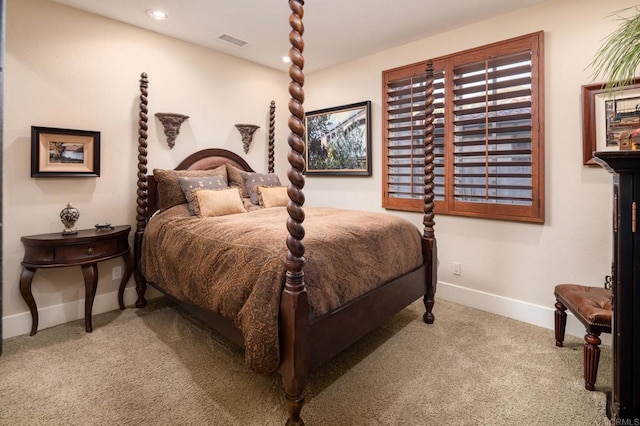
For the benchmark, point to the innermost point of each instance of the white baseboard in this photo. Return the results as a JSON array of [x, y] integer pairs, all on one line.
[[16, 325], [541, 316]]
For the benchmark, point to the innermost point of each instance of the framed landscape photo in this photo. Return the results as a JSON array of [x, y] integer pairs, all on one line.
[[608, 114], [64, 152], [338, 140]]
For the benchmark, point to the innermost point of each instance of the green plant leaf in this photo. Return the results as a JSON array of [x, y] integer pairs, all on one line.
[[616, 61]]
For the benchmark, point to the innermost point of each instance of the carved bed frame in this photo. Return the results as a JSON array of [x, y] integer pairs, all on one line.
[[304, 344]]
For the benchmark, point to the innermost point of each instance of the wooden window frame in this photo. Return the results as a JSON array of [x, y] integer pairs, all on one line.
[[534, 212]]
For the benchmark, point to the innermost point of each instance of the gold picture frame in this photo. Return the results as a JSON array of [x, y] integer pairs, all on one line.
[[64, 152]]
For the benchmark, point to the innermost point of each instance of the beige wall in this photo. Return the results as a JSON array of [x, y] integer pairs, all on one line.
[[509, 268], [70, 69], [65, 68]]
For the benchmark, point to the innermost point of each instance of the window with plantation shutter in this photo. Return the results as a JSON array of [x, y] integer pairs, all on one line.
[[405, 94], [488, 132]]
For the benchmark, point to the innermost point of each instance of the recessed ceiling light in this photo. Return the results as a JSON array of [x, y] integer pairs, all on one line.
[[157, 14], [286, 59]]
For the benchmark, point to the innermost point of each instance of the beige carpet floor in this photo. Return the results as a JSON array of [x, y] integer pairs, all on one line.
[[157, 366]]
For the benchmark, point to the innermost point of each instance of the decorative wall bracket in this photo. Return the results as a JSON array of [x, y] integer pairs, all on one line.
[[247, 131], [171, 123]]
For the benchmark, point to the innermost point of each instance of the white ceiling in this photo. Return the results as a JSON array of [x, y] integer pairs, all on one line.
[[335, 30]]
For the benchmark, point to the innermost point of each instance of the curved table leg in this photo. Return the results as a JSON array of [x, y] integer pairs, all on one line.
[[128, 270], [25, 290], [90, 274]]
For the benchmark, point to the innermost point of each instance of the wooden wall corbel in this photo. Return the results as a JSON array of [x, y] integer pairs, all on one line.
[[247, 131], [171, 122]]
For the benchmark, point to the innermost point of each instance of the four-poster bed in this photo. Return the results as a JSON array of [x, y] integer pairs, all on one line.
[[290, 312]]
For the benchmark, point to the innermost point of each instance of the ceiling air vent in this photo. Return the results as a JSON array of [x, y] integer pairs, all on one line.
[[233, 40]]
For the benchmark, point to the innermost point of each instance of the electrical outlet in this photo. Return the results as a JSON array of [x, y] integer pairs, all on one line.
[[116, 273], [457, 268]]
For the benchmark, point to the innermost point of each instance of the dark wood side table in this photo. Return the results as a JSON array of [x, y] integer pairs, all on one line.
[[84, 249]]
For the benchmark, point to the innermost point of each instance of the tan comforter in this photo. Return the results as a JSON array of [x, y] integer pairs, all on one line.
[[234, 265]]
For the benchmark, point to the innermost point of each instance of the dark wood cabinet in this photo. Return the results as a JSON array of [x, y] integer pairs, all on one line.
[[624, 401]]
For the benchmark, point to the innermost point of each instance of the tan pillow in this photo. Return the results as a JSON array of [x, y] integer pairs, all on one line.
[[221, 202], [253, 180], [189, 183], [272, 196], [169, 191], [236, 178]]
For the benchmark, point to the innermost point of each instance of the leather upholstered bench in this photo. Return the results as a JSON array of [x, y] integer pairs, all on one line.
[[592, 306]]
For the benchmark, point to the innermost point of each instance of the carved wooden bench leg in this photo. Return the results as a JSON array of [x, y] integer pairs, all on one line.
[[560, 323], [592, 306], [591, 359]]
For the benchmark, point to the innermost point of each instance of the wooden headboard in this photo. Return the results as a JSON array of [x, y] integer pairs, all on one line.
[[205, 159], [211, 158]]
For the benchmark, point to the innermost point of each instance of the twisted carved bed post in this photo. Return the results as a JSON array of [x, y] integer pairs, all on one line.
[[272, 126], [294, 306], [142, 194], [429, 247]]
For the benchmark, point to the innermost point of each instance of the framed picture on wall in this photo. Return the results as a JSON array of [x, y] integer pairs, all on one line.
[[338, 140], [609, 116], [64, 152]]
